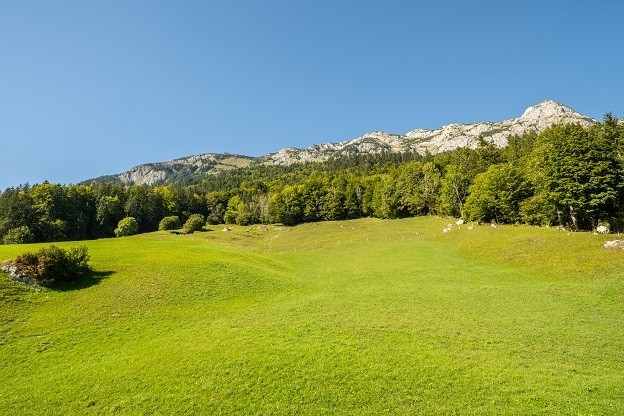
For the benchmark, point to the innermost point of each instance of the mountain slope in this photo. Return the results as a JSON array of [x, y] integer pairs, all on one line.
[[178, 170], [449, 137]]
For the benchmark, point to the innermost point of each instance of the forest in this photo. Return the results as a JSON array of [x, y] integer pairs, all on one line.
[[567, 176]]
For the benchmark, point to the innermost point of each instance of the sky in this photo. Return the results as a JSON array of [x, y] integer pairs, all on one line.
[[92, 88]]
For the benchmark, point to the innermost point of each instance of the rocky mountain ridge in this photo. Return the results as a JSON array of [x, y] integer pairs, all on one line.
[[449, 137], [177, 170]]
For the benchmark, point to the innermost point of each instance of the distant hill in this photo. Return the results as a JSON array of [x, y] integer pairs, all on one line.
[[449, 137]]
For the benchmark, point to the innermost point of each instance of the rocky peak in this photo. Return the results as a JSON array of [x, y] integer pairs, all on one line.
[[550, 112], [546, 108]]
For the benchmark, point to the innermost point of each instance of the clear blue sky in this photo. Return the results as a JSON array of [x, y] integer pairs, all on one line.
[[90, 88]]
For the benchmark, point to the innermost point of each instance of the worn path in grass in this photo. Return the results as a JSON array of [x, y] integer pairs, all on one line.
[[355, 317]]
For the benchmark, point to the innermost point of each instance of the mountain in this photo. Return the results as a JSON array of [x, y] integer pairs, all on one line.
[[449, 137], [177, 170]]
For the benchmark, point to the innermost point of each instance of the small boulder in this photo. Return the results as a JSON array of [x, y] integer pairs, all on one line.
[[614, 244], [14, 272]]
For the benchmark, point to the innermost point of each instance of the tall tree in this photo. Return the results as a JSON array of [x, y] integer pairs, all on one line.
[[17, 210], [496, 194], [579, 172], [109, 211], [287, 205]]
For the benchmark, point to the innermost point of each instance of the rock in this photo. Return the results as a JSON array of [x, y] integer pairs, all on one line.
[[164, 172], [15, 274], [614, 244]]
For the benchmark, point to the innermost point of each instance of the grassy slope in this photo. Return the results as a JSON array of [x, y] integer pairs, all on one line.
[[359, 317]]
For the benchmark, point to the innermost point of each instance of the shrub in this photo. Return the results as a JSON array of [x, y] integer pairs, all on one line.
[[229, 217], [194, 223], [538, 210], [216, 216], [169, 223], [245, 217], [54, 264], [19, 235], [127, 226]]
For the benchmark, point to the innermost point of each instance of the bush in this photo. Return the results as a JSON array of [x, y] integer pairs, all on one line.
[[538, 210], [216, 216], [19, 235], [245, 217], [194, 223], [169, 223], [229, 217], [54, 264], [127, 226]]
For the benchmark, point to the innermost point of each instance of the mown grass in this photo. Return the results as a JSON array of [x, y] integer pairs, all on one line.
[[355, 317]]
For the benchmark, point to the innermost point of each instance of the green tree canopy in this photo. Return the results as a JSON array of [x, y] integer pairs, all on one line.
[[496, 194], [579, 172]]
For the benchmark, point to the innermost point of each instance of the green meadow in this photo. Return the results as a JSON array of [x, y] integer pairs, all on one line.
[[363, 317]]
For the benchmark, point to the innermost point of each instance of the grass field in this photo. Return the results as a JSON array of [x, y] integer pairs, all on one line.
[[357, 317]]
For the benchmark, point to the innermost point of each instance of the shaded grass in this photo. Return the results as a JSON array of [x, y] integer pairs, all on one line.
[[357, 317]]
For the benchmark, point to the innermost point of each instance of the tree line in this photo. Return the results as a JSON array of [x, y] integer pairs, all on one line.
[[568, 175]]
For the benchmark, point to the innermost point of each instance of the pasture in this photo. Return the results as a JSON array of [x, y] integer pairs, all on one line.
[[364, 317]]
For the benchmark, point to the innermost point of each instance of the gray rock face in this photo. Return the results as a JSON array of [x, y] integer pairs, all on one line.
[[178, 169], [449, 137]]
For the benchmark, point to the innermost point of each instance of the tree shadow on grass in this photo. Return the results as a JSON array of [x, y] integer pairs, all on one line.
[[90, 279], [181, 232]]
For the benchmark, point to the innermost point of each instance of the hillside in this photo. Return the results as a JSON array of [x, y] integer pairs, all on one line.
[[355, 317], [452, 136]]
